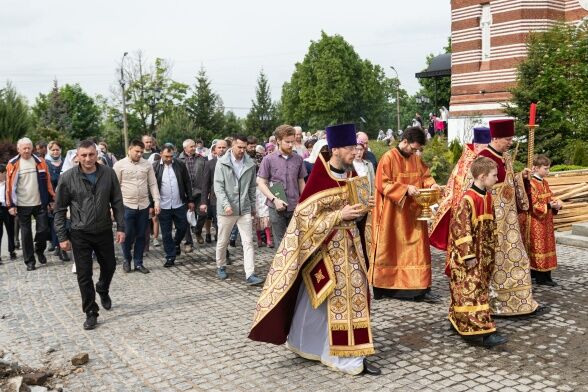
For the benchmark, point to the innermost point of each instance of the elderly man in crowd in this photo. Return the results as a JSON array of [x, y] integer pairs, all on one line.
[[195, 164], [28, 193]]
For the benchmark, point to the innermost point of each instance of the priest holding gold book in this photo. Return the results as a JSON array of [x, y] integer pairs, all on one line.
[[316, 294], [400, 257]]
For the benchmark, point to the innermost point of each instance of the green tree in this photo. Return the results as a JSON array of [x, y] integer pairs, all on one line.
[[67, 112], [15, 118], [83, 112], [262, 118], [205, 107], [51, 112], [151, 93], [332, 85], [231, 125], [177, 126], [555, 76]]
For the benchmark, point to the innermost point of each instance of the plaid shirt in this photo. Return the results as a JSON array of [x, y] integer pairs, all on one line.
[[195, 166]]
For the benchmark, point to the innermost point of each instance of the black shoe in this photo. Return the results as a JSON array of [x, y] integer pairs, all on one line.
[[142, 269], [370, 369], [56, 251], [12, 255], [63, 256], [30, 267], [105, 301], [51, 248], [127, 266], [378, 294], [233, 243], [541, 309], [208, 238], [90, 322], [169, 263], [428, 297], [550, 283], [42, 258], [494, 340]]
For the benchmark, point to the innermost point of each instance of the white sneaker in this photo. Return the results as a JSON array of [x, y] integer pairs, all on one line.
[[155, 242], [73, 268]]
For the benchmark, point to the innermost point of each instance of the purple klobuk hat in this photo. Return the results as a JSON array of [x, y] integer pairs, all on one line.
[[482, 135], [341, 135]]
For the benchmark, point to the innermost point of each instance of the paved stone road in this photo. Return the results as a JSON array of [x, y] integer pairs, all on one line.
[[183, 329]]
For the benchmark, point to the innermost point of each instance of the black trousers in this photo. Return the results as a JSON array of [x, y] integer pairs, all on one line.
[[83, 244], [7, 221], [26, 231]]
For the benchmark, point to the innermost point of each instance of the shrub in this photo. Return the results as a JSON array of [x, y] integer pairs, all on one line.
[[560, 168], [438, 157]]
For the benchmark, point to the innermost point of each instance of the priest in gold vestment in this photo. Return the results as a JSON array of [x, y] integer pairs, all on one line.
[[511, 292], [316, 294], [400, 256]]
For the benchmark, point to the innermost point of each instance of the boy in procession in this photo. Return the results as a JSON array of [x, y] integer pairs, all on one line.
[[473, 242]]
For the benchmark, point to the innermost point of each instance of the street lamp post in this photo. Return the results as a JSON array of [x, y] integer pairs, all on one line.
[[397, 98], [124, 103]]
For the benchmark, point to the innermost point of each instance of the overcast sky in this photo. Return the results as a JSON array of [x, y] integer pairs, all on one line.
[[83, 42]]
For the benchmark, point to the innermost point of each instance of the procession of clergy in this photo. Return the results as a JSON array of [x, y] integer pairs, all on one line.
[[496, 226]]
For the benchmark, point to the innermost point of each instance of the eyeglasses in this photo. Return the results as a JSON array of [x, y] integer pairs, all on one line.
[[420, 149]]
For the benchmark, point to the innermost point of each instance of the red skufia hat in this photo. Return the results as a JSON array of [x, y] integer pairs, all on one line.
[[502, 128]]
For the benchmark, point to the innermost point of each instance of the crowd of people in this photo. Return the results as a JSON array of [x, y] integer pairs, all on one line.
[[345, 226]]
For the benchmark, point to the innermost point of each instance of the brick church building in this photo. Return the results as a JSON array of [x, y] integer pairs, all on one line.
[[488, 42]]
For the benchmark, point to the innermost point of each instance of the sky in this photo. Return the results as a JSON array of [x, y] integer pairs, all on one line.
[[83, 42]]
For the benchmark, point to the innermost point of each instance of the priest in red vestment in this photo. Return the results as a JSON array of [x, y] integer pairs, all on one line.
[[400, 254]]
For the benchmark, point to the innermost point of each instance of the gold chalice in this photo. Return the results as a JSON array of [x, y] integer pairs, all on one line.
[[426, 198]]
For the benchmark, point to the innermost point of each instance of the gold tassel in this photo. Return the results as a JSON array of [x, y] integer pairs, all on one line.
[[353, 353], [339, 327], [361, 325]]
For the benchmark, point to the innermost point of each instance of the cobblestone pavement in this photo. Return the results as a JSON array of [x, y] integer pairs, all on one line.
[[183, 329]]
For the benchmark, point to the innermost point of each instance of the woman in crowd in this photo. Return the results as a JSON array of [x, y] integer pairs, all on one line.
[[55, 165], [362, 166], [262, 221]]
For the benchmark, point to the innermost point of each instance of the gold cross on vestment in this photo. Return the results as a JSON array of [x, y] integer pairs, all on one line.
[[319, 276]]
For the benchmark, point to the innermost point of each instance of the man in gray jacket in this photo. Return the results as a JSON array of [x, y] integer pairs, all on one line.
[[90, 190], [234, 186]]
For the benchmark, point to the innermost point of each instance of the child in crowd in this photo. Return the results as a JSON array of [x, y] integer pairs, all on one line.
[[473, 243], [537, 223]]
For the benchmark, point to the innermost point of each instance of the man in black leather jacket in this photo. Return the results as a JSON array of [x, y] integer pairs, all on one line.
[[90, 191], [176, 198]]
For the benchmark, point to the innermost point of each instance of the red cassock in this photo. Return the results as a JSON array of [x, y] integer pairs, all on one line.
[[537, 227]]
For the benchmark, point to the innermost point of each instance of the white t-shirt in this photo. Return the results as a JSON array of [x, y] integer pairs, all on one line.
[[27, 188]]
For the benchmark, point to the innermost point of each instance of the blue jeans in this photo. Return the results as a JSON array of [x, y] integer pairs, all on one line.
[[177, 217], [136, 222]]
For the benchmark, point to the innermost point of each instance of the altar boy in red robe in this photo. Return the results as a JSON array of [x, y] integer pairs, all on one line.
[[473, 242], [537, 223]]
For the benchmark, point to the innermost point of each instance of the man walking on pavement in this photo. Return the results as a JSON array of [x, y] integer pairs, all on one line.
[[286, 169], [195, 165], [173, 182], [28, 193], [137, 182], [90, 191], [234, 186]]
